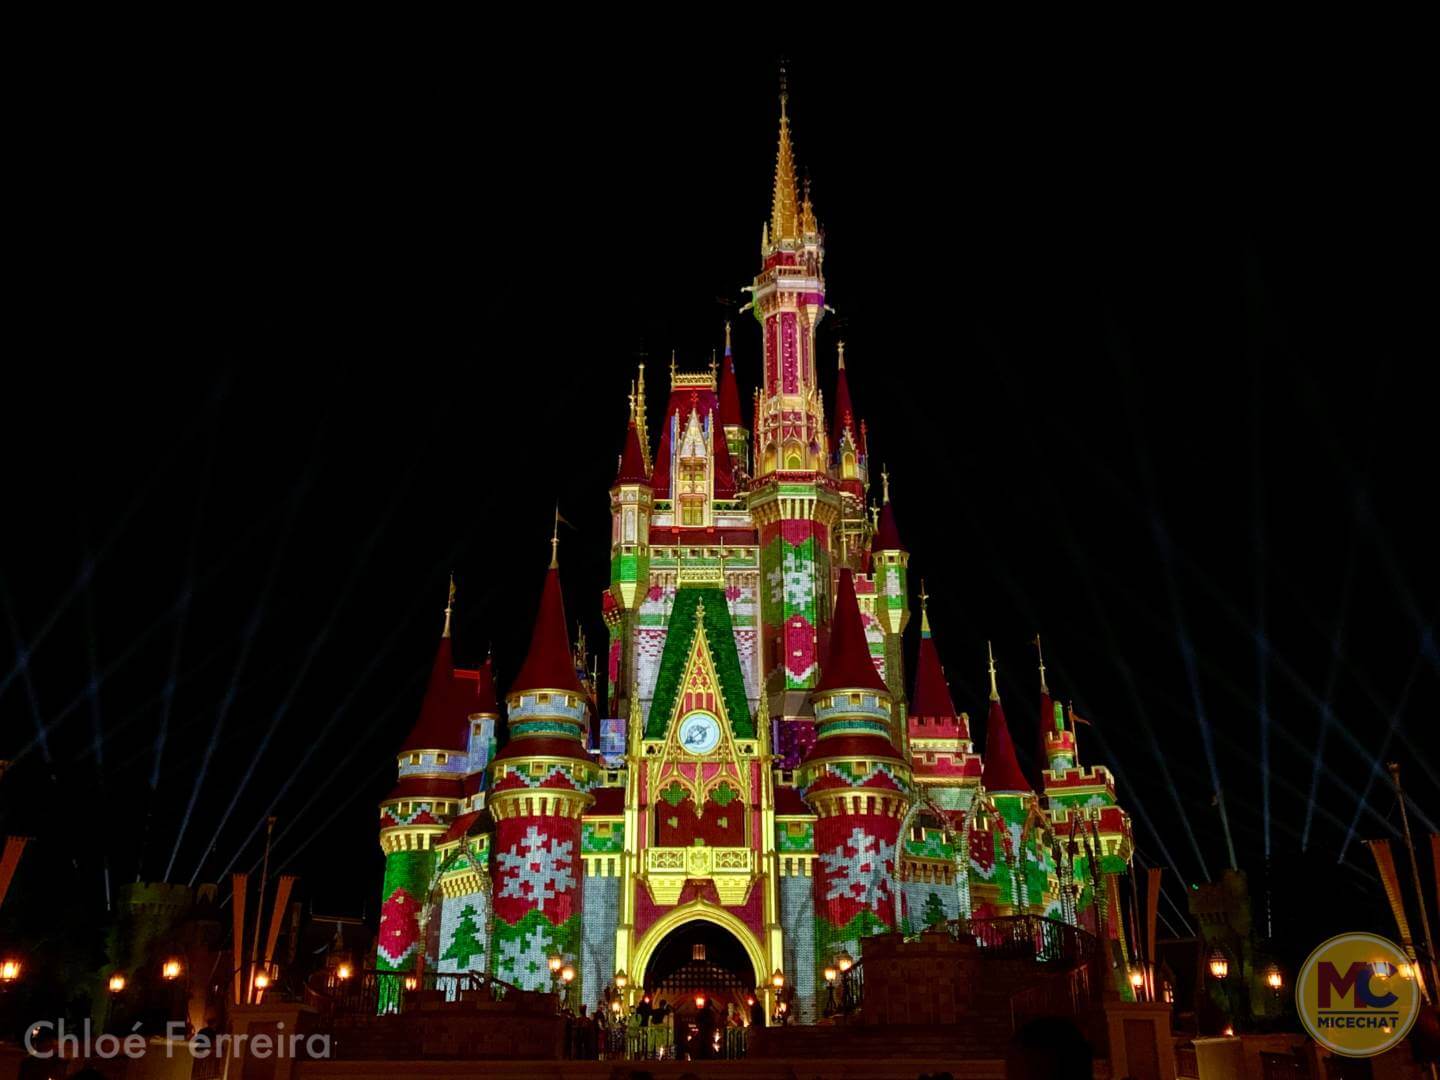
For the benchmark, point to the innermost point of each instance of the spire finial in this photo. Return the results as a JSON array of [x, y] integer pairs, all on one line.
[[840, 348], [885, 482], [924, 609], [784, 215], [640, 424], [714, 364], [874, 518], [994, 690], [727, 337], [1041, 654], [555, 539], [449, 605]]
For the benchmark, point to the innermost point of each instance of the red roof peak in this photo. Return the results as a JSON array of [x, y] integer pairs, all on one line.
[[548, 665], [848, 664], [887, 533], [443, 723], [485, 700], [1002, 769], [632, 462], [932, 694], [729, 389]]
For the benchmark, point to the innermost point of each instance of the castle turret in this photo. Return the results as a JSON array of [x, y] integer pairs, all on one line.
[[632, 506], [941, 750], [858, 783], [794, 500], [737, 435], [432, 764], [540, 786], [890, 567]]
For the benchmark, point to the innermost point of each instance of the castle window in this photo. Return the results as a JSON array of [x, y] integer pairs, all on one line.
[[414, 759], [441, 759]]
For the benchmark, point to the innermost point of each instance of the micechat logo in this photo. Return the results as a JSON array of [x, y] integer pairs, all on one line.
[[1357, 994]]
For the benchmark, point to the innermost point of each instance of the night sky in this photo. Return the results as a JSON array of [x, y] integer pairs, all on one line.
[[1141, 343]]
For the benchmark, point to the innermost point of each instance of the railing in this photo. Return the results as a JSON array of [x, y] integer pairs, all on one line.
[[1033, 938], [368, 993], [1065, 993], [851, 992], [653, 1042]]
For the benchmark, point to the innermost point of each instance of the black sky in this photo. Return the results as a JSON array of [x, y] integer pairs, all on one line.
[[1143, 342]]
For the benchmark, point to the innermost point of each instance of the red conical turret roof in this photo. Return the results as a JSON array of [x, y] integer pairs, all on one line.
[[1002, 770], [485, 700], [444, 714], [848, 664], [887, 533], [932, 694], [632, 464], [844, 415], [549, 664], [729, 389]]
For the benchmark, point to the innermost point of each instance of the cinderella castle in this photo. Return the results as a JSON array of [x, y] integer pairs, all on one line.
[[762, 785]]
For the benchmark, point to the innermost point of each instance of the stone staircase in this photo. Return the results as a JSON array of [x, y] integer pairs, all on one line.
[[899, 1065]]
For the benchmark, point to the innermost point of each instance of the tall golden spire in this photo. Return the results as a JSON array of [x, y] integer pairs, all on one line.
[[727, 335], [924, 608], [885, 482], [784, 218], [449, 605], [994, 691], [840, 348], [1040, 653], [555, 539]]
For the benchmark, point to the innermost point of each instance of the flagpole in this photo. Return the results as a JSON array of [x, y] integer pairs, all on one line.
[[1434, 972]]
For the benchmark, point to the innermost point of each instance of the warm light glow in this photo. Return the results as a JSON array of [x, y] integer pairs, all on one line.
[[621, 979], [831, 974], [411, 982], [556, 963], [699, 1001], [9, 970], [1219, 966], [261, 981], [171, 969], [1404, 971], [844, 962], [343, 972], [1137, 978], [778, 979], [749, 999], [1274, 979], [568, 973], [1229, 1030], [615, 1007], [117, 983]]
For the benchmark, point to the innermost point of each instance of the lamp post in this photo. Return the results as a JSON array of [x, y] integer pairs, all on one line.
[[567, 977], [777, 982]]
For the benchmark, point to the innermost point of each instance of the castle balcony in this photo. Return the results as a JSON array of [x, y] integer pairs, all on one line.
[[668, 868]]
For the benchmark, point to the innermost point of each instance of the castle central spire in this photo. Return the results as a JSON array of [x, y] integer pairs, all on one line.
[[784, 206]]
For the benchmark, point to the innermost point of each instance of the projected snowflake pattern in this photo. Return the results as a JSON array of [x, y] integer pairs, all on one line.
[[542, 873], [857, 869]]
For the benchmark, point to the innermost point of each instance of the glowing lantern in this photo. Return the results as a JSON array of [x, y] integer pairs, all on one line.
[[778, 979], [1219, 966], [1137, 978], [411, 982], [1274, 979], [844, 961], [262, 981], [556, 963], [567, 973], [170, 970], [831, 974], [117, 983], [621, 979], [9, 970], [1229, 1031], [343, 972]]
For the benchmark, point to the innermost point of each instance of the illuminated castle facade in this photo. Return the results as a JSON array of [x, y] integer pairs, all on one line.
[[760, 760]]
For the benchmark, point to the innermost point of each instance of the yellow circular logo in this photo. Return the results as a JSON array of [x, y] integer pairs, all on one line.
[[1357, 995]]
